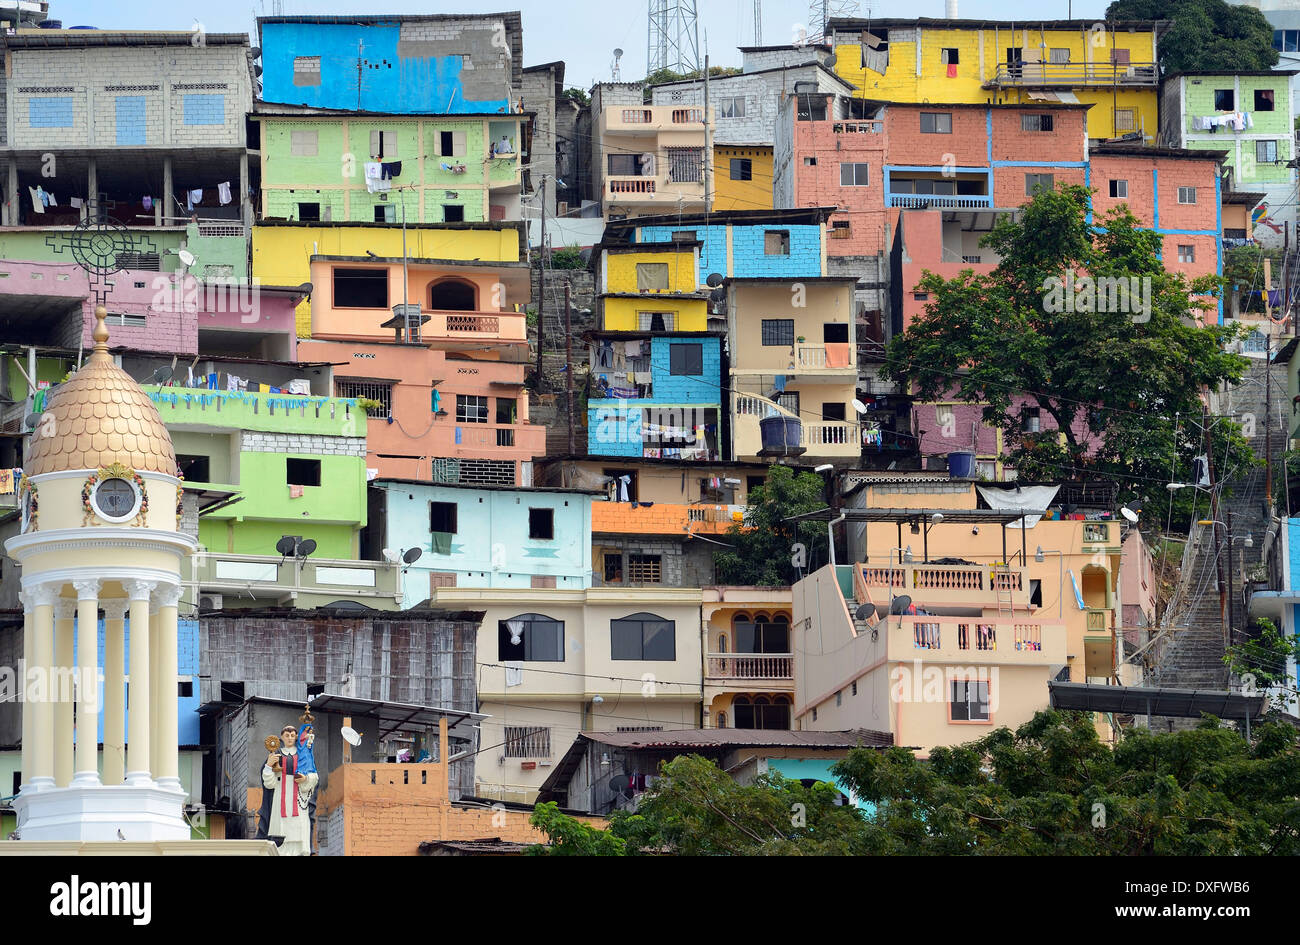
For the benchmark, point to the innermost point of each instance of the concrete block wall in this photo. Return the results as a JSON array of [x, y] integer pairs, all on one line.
[[71, 97], [748, 258], [303, 443], [713, 254], [705, 388]]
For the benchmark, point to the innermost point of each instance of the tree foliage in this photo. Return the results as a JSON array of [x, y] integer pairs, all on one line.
[[1117, 390], [569, 836], [1050, 787], [1261, 659], [762, 546], [1206, 35]]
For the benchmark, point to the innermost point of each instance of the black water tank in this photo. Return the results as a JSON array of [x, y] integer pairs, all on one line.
[[50, 25]]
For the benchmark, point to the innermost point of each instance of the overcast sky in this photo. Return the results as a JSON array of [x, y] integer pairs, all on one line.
[[582, 33]]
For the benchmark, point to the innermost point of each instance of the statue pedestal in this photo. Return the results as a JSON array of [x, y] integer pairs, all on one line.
[[102, 813]]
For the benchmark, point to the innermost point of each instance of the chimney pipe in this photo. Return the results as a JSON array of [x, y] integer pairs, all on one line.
[[950, 9]]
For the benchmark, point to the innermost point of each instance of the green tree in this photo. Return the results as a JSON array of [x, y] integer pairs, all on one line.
[[1261, 662], [763, 545], [1122, 386], [569, 836], [578, 95], [1206, 35]]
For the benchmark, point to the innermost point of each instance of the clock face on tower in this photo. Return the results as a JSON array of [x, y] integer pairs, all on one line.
[[115, 498]]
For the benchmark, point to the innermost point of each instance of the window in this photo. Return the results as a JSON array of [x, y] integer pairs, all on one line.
[[936, 123], [762, 634], [471, 408], [613, 567], [1119, 188], [763, 712], [778, 331], [1119, 57], [302, 472], [624, 165], [731, 106], [1263, 100], [1266, 151], [651, 277], [1031, 420], [361, 288], [304, 143], [789, 400], [1058, 56], [453, 213], [383, 144], [453, 295], [853, 175], [809, 162], [385, 213], [194, 468], [442, 518], [943, 415], [1035, 122], [1224, 100], [1186, 253], [620, 491], [686, 165], [645, 569], [1125, 119], [527, 741], [833, 412], [531, 637], [835, 333], [306, 70], [643, 637], [841, 229], [656, 321], [451, 144], [506, 410], [683, 236], [776, 242], [1187, 195], [1286, 40], [742, 169], [309, 212], [949, 56], [1035, 181], [839, 698], [541, 524], [686, 359], [127, 320], [970, 700]]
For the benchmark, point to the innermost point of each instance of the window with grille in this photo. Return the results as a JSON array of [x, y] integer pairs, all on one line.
[[1035, 181], [970, 700], [471, 409], [1187, 195], [126, 321], [686, 165], [370, 390], [854, 175], [613, 562], [645, 569], [656, 321], [1119, 188], [643, 637], [936, 123], [641, 728], [1125, 119], [1266, 151], [1035, 122], [732, 106], [778, 331], [526, 741]]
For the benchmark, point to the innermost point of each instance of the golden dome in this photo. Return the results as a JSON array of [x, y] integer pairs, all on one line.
[[101, 416]]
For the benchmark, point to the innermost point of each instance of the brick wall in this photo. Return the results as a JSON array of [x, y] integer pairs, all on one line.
[[749, 258], [303, 443]]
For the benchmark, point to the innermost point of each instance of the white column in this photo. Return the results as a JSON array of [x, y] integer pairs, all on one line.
[[154, 690], [40, 760], [86, 769], [114, 691], [166, 767], [138, 766], [28, 664], [65, 610]]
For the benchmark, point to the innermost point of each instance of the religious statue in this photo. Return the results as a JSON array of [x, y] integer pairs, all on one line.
[[290, 772]]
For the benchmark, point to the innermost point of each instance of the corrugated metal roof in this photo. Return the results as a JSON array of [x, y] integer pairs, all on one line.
[[742, 738]]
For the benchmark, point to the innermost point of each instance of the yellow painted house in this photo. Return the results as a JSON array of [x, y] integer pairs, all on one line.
[[652, 287], [282, 251], [742, 177], [1111, 66]]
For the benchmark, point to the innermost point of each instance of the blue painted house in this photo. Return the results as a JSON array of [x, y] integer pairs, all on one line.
[[480, 536], [435, 65], [744, 244]]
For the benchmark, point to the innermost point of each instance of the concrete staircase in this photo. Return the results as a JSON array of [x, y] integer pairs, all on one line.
[[1193, 659]]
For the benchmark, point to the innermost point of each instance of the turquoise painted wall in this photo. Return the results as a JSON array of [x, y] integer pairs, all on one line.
[[800, 769]]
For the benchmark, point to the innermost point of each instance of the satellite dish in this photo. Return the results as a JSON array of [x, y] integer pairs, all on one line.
[[618, 54], [412, 555], [718, 295], [350, 735], [164, 373], [285, 546], [829, 61], [859, 406], [390, 556], [31, 420], [306, 288], [900, 604], [1128, 513], [187, 258], [715, 279], [306, 547]]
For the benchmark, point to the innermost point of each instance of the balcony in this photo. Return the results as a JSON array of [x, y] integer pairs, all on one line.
[[653, 190], [475, 327], [819, 438], [751, 666], [1070, 75], [817, 358], [936, 201], [664, 518], [623, 186], [649, 119], [978, 640], [264, 580], [943, 586], [858, 127]]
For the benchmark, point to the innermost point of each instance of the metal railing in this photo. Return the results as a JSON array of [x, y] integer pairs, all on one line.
[[950, 201], [1072, 74]]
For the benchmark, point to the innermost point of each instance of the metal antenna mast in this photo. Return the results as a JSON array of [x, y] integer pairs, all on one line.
[[758, 22], [670, 38], [821, 12]]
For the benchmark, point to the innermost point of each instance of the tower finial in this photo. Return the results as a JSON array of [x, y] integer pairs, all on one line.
[[100, 334]]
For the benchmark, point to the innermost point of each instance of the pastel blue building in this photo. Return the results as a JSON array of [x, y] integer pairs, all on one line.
[[432, 65], [480, 536], [748, 244], [656, 395]]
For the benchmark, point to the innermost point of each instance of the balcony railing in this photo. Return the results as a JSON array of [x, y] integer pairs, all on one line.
[[1033, 74], [1099, 621], [949, 201], [858, 127], [475, 326], [973, 638], [688, 116], [814, 358], [940, 577], [488, 436], [751, 665], [270, 577], [830, 433], [619, 186]]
